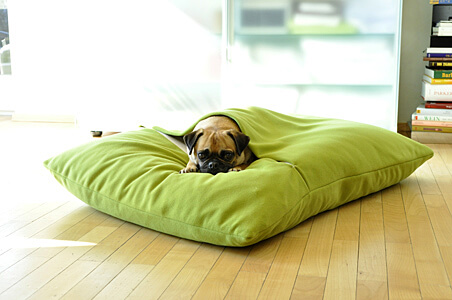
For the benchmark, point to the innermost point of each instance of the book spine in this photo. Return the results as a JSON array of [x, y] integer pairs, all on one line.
[[440, 1], [443, 105], [437, 80], [431, 123], [439, 49], [439, 54], [425, 58], [439, 64], [434, 111], [444, 31], [421, 117], [438, 74], [432, 129], [439, 92]]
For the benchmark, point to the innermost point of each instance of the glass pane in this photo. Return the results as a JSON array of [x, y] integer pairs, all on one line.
[[315, 17], [182, 63], [164, 57], [324, 57], [5, 53]]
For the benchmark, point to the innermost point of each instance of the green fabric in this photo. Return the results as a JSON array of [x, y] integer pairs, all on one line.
[[306, 165]]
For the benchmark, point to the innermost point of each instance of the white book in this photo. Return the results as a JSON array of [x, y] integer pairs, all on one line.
[[428, 117], [439, 50], [421, 110], [444, 24], [444, 31], [432, 137], [436, 92]]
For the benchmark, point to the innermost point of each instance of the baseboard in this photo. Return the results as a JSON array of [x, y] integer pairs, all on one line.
[[404, 129], [47, 118], [6, 112]]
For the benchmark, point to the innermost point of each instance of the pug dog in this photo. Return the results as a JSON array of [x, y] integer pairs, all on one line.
[[217, 145]]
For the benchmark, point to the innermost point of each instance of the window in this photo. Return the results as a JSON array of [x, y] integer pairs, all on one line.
[[5, 54]]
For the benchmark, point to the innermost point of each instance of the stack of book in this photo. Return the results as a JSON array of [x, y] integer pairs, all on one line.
[[442, 28], [435, 114], [440, 2], [432, 121]]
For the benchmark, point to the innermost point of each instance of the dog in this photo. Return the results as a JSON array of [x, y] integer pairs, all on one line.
[[217, 145]]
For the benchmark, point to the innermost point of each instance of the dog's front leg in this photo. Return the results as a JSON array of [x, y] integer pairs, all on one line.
[[190, 168]]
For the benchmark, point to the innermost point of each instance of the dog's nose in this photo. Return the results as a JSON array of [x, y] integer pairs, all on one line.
[[213, 165]]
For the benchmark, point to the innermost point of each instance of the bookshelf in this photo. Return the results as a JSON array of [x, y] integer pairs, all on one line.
[[330, 58], [432, 120]]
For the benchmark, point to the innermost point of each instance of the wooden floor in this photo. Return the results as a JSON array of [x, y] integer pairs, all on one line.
[[394, 244]]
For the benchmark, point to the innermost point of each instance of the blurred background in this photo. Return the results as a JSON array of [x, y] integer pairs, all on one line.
[[114, 65]]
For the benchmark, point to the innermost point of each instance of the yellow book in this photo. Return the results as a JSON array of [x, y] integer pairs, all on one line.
[[432, 128], [437, 80]]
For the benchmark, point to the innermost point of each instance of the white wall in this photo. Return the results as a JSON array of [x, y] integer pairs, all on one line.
[[416, 25]]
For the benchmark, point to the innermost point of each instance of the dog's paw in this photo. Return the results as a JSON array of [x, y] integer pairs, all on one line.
[[235, 169], [238, 168], [189, 170]]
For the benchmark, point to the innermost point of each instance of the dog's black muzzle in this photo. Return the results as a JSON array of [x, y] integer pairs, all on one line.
[[214, 166]]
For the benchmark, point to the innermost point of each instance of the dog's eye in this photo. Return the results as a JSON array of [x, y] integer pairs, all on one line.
[[228, 156], [203, 154]]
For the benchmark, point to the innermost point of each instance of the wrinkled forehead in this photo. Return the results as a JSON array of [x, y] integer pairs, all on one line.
[[215, 141]]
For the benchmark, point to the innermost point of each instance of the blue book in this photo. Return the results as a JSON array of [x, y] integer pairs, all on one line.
[[439, 54], [440, 1]]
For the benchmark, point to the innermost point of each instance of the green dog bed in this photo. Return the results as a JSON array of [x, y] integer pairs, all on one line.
[[306, 165]]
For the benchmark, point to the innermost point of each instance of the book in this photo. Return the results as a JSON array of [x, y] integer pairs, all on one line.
[[421, 109], [431, 128], [438, 73], [437, 80], [436, 92], [439, 64], [443, 105], [439, 55], [425, 58], [422, 117], [431, 123], [444, 31], [432, 137], [440, 1], [444, 23], [438, 50]]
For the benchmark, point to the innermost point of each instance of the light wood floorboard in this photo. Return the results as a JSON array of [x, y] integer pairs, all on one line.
[[394, 244]]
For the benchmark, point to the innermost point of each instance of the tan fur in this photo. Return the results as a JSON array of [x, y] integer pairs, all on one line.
[[215, 135]]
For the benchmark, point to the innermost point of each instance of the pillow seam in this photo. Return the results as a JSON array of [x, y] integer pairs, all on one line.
[[297, 204], [425, 158]]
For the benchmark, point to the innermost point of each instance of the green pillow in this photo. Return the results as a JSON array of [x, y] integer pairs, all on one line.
[[306, 165]]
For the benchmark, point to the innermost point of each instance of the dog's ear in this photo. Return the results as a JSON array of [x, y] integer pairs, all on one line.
[[241, 140], [191, 138]]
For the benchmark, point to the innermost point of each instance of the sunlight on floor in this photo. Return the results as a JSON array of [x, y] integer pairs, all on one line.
[[24, 148], [22, 243]]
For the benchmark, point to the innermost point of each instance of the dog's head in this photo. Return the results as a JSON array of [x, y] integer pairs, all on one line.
[[216, 151]]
